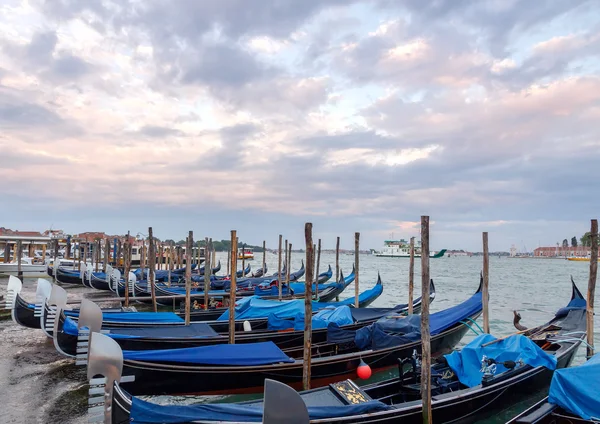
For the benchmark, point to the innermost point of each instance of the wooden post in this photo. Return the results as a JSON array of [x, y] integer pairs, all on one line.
[[143, 259], [78, 255], [228, 260], [486, 282], [337, 264], [171, 259], [592, 287], [288, 266], [68, 248], [126, 264], [264, 263], [411, 276], [43, 252], [213, 256], [288, 255], [285, 252], [306, 367], [206, 275], [243, 258], [188, 276], [19, 253], [285, 258], [317, 271], [98, 254], [233, 287], [356, 248], [6, 252], [279, 268], [425, 335], [151, 266], [106, 255]]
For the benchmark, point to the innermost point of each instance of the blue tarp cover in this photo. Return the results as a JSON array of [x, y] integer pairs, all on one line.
[[141, 317], [246, 354], [576, 389], [377, 335], [340, 315], [194, 330], [143, 412], [466, 363]]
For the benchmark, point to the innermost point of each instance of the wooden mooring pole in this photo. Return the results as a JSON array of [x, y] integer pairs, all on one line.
[[264, 262], [188, 276], [233, 287], [206, 274], [306, 366], [317, 270], [106, 255], [592, 287], [411, 276], [127, 267], [151, 268], [19, 253], [356, 249], [288, 265], [337, 264], [486, 282], [279, 267], [425, 335]]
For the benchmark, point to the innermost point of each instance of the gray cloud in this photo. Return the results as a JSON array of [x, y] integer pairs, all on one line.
[[40, 57], [155, 131]]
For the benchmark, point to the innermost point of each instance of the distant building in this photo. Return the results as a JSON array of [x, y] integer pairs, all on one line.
[[562, 252]]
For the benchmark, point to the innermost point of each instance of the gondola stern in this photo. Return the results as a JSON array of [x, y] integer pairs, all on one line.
[[431, 290], [575, 294], [104, 369]]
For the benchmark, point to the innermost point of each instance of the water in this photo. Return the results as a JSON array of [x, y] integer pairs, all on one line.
[[37, 385]]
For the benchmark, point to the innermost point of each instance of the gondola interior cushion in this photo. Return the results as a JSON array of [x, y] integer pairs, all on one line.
[[143, 412], [466, 363], [577, 389], [247, 354]]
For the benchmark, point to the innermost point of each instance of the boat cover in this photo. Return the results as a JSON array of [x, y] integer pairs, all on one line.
[[574, 304], [466, 363], [576, 389], [195, 330], [393, 331], [143, 412], [141, 317], [254, 307], [246, 354], [341, 315], [371, 314]]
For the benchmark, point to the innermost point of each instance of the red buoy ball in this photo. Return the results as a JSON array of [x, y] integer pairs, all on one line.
[[363, 370]]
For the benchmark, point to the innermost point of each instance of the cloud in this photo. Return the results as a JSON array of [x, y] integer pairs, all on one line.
[[358, 115]]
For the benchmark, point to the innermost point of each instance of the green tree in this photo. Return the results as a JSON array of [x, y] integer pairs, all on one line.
[[586, 239], [574, 242], [565, 243]]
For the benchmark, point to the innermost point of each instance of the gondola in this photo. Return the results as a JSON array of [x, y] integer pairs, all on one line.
[[242, 368], [64, 276], [573, 398], [398, 399], [29, 314], [53, 313], [209, 333]]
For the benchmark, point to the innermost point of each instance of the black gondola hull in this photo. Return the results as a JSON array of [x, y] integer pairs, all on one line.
[[24, 315], [156, 378]]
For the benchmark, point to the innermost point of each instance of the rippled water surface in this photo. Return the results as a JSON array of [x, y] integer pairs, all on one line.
[[37, 385]]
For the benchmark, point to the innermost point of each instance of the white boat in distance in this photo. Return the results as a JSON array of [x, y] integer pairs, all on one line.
[[401, 249]]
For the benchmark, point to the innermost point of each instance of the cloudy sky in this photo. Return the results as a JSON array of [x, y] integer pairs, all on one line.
[[261, 115]]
